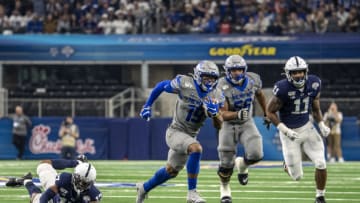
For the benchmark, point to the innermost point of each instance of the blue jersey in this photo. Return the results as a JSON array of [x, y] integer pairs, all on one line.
[[68, 193], [297, 103]]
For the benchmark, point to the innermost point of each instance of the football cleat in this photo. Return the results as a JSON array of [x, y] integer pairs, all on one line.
[[17, 182], [242, 175], [12, 183], [226, 199], [243, 178], [82, 158], [194, 197], [320, 199], [141, 193]]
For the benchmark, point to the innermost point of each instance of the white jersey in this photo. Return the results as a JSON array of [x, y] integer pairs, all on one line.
[[189, 113], [240, 97]]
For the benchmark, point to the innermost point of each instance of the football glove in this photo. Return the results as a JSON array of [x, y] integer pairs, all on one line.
[[267, 122], [288, 132], [211, 107], [146, 112], [243, 114], [325, 131]]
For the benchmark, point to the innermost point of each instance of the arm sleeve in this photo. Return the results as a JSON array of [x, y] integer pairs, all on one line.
[[158, 89], [47, 195]]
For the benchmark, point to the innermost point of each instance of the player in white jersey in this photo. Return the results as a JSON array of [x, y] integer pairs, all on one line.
[[295, 98], [198, 98], [240, 88]]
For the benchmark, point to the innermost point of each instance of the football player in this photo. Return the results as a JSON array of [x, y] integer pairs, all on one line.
[[295, 98], [240, 89], [71, 187], [197, 99]]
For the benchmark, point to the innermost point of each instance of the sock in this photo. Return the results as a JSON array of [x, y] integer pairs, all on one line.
[[159, 177], [32, 188], [193, 167], [243, 166], [64, 163], [320, 193]]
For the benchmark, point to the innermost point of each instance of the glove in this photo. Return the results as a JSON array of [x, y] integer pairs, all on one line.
[[146, 112], [325, 131], [288, 132], [267, 122], [211, 107], [243, 114]]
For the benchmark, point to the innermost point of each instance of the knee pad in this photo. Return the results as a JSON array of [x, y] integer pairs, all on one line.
[[252, 161], [172, 171], [225, 173], [320, 164]]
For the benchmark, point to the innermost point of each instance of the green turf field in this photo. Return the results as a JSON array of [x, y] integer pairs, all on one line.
[[266, 184]]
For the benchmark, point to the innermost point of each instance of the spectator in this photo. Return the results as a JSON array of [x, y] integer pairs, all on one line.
[[4, 21], [352, 22], [342, 16], [251, 26], [64, 25], [321, 23], [17, 22], [50, 24], [295, 24], [35, 25], [333, 25], [333, 118], [121, 25], [105, 26], [20, 125], [276, 27], [68, 133]]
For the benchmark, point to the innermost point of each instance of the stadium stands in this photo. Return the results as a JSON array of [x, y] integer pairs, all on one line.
[[170, 16]]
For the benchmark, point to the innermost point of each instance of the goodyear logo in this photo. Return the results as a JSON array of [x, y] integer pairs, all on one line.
[[245, 50]]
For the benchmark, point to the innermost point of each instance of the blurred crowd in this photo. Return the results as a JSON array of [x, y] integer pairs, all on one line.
[[173, 16]]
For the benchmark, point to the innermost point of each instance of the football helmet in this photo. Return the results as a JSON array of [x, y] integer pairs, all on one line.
[[235, 62], [206, 68], [296, 63], [83, 177]]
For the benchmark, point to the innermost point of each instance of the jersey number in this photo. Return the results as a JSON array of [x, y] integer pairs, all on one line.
[[240, 104], [301, 109], [195, 114]]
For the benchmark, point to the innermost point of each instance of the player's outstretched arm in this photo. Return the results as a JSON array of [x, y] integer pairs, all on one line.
[[155, 93]]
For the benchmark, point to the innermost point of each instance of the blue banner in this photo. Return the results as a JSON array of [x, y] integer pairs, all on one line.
[[115, 48], [137, 139]]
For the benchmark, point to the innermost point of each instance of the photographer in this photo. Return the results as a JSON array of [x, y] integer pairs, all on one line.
[[333, 119], [68, 133]]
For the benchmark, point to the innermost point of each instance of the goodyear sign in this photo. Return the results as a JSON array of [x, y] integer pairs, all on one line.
[[139, 48], [245, 50]]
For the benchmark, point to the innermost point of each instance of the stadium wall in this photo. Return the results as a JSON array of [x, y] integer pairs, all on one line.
[[136, 139]]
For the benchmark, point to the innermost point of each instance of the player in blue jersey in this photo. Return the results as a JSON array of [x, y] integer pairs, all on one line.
[[70, 187], [240, 89], [296, 97], [198, 98]]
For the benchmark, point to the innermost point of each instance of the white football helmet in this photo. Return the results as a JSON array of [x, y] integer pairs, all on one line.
[[83, 177], [235, 62], [296, 63], [206, 68]]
